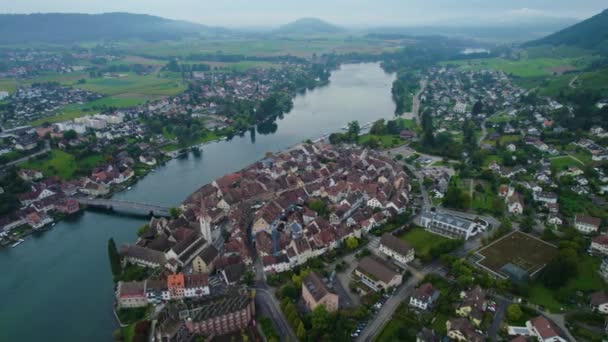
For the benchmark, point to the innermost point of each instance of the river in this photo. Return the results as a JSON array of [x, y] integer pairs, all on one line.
[[58, 286]]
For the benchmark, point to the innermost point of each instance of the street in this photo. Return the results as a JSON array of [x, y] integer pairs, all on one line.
[[268, 306]]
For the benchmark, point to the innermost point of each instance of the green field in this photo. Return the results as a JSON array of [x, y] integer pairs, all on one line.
[[302, 46], [587, 280], [522, 68], [58, 163], [134, 85], [62, 164], [562, 163], [421, 240], [7, 84], [77, 110], [386, 141]]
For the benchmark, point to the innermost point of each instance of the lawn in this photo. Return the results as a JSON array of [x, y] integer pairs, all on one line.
[[517, 248], [73, 111], [58, 163], [483, 201], [386, 140], [587, 280], [500, 118], [422, 241], [562, 163]]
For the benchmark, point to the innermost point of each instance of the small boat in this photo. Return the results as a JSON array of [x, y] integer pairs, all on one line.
[[17, 243], [129, 188]]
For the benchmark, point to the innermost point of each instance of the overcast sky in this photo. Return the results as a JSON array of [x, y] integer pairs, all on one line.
[[235, 13]]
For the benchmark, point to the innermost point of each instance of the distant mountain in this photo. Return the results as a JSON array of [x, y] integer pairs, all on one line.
[[590, 34], [308, 25], [63, 28]]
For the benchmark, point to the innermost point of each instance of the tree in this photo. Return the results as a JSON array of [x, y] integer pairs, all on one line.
[[70, 134], [352, 243], [353, 130], [477, 107], [114, 258], [378, 128], [175, 212], [321, 320], [301, 331], [514, 312], [527, 224]]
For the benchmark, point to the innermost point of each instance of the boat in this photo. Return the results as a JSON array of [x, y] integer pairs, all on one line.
[[129, 188], [17, 243]]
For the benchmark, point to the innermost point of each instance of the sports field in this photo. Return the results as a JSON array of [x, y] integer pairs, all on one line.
[[520, 249]]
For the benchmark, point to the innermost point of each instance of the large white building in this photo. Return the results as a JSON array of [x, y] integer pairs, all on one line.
[[586, 224], [450, 226]]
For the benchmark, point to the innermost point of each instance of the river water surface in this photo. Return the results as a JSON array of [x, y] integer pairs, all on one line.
[[58, 286]]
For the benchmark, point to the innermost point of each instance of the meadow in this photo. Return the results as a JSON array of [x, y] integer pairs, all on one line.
[[422, 241], [523, 67]]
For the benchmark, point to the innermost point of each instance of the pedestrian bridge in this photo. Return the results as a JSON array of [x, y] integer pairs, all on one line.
[[121, 205]]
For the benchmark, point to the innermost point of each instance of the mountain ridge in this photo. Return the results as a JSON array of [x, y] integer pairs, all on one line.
[[308, 25]]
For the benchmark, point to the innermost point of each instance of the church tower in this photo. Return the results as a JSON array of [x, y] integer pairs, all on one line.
[[205, 222]]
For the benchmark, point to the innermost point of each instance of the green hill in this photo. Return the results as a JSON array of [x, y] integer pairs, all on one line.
[[308, 26], [65, 28], [591, 34]]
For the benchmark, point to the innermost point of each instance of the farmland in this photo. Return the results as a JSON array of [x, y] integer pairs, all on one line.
[[534, 67]]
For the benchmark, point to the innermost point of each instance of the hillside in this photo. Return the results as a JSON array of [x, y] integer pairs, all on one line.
[[63, 28], [589, 34], [308, 26]]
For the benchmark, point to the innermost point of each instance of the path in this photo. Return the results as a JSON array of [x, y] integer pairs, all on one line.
[[416, 100], [572, 81], [47, 147]]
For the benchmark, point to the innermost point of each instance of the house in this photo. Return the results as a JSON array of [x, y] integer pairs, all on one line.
[[460, 329], [599, 244], [176, 283], [544, 330], [603, 270], [473, 305], [599, 302], [515, 204], [26, 142], [142, 256], [511, 148], [30, 175], [131, 294], [424, 297], [147, 159], [545, 197], [555, 220], [427, 335], [195, 285], [377, 274], [204, 261], [586, 224], [315, 292], [396, 248]]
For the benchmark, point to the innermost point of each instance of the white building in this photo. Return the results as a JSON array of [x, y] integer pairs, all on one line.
[[424, 297], [450, 226], [544, 330], [586, 224]]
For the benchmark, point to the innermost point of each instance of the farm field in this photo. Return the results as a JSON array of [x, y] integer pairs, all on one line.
[[520, 249], [301, 46], [421, 240], [7, 84], [521, 68], [77, 110], [136, 85]]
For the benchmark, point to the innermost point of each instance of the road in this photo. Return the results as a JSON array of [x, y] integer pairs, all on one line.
[[503, 303], [268, 306], [47, 147], [572, 81], [375, 326]]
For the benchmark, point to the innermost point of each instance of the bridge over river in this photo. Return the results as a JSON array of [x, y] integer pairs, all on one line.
[[121, 205]]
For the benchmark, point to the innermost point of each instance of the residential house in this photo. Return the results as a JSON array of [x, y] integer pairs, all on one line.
[[396, 248], [315, 292], [599, 302], [544, 330], [424, 297], [176, 284], [377, 274], [460, 329], [599, 244], [473, 305], [586, 224], [195, 285], [515, 204]]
